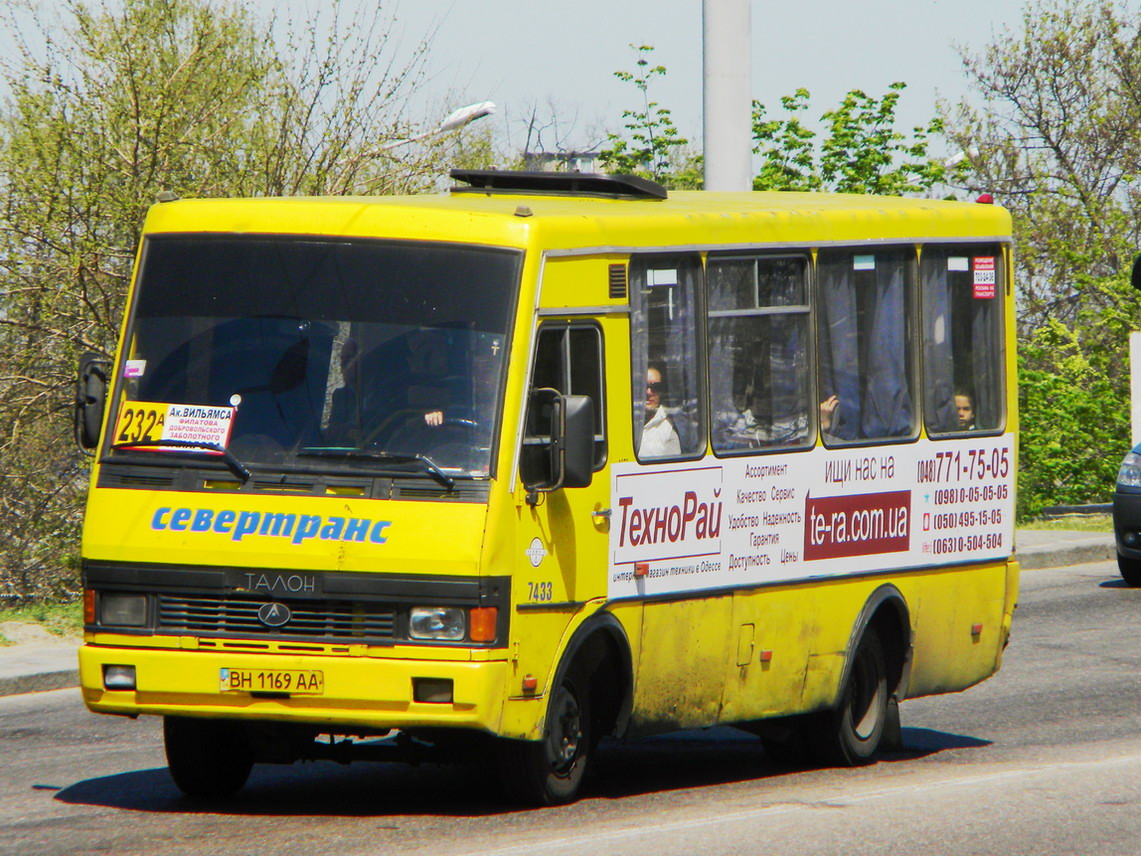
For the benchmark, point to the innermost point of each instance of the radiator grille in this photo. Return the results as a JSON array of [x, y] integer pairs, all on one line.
[[311, 619]]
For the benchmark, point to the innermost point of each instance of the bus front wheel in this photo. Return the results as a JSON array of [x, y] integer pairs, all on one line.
[[849, 734], [550, 771], [208, 758]]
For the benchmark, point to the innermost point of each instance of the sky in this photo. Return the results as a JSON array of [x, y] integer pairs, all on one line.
[[558, 59], [561, 57]]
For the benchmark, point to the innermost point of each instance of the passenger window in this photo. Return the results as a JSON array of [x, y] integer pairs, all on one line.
[[665, 357], [758, 352], [962, 338], [865, 354], [568, 358]]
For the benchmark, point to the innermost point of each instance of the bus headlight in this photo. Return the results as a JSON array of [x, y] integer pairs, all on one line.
[[1130, 473], [437, 622], [123, 610]]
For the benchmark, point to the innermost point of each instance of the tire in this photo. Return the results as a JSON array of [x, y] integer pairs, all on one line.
[[208, 758], [1130, 570], [849, 734], [550, 771]]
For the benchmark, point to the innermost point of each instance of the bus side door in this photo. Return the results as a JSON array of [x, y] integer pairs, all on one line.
[[562, 533]]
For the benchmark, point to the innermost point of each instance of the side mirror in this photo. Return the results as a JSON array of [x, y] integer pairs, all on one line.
[[575, 445], [90, 399], [1135, 280], [567, 455]]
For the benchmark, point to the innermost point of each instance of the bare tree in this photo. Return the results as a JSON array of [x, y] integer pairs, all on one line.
[[110, 103]]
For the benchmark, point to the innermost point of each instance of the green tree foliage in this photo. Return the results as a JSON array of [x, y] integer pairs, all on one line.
[[652, 147], [862, 151], [1075, 411], [109, 105], [1057, 139]]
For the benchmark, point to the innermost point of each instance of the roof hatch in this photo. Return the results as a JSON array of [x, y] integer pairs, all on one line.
[[557, 184]]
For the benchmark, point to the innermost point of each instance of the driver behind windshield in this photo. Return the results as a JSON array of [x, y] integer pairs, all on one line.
[[395, 395]]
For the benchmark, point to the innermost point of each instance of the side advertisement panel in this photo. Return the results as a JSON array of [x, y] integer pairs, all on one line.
[[821, 513]]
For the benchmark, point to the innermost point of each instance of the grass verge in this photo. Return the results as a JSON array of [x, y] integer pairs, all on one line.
[[62, 619], [1073, 523]]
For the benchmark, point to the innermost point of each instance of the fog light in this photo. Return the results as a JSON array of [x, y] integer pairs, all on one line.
[[432, 690], [437, 622], [118, 677], [123, 610], [1130, 538]]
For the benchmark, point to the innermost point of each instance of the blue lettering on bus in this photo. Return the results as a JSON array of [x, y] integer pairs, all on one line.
[[247, 524], [356, 529], [223, 521], [297, 528], [378, 528], [309, 526]]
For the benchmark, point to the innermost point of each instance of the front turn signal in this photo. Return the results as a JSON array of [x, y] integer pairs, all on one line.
[[481, 623]]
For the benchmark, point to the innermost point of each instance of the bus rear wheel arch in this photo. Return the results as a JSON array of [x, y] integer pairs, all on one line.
[[865, 716], [849, 734]]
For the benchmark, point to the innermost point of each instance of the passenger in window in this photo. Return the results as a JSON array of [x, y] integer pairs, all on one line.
[[735, 423], [828, 408], [659, 437], [964, 404]]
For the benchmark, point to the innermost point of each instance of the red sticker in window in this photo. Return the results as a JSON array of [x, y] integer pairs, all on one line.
[[984, 277]]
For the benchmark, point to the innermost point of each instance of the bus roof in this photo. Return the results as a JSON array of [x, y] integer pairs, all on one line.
[[583, 223]]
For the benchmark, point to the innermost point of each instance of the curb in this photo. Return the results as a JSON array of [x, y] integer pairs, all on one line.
[[39, 683], [1067, 553]]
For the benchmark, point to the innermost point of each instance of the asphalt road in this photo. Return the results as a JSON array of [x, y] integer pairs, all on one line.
[[1043, 758]]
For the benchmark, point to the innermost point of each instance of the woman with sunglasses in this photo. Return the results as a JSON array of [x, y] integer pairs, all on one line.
[[659, 437]]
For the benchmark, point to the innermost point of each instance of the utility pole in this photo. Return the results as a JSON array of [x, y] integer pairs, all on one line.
[[727, 94]]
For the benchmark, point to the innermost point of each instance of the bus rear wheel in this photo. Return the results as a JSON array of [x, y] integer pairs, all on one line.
[[550, 771], [208, 758], [849, 734]]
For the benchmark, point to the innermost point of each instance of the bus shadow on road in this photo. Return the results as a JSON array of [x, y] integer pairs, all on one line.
[[921, 742], [690, 759], [302, 790], [722, 755]]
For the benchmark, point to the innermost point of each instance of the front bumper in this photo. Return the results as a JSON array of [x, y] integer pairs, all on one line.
[[368, 692], [1127, 523]]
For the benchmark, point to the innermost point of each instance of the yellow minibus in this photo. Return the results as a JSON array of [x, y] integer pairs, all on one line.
[[549, 458]]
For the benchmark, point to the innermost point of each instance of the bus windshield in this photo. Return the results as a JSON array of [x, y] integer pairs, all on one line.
[[284, 350]]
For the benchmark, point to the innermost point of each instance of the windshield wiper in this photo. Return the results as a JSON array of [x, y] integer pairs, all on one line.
[[236, 467], [379, 455]]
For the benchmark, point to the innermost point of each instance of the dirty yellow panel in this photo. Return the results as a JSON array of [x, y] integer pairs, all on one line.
[[774, 635], [681, 671]]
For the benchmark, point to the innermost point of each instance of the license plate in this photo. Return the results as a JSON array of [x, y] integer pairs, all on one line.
[[293, 681]]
